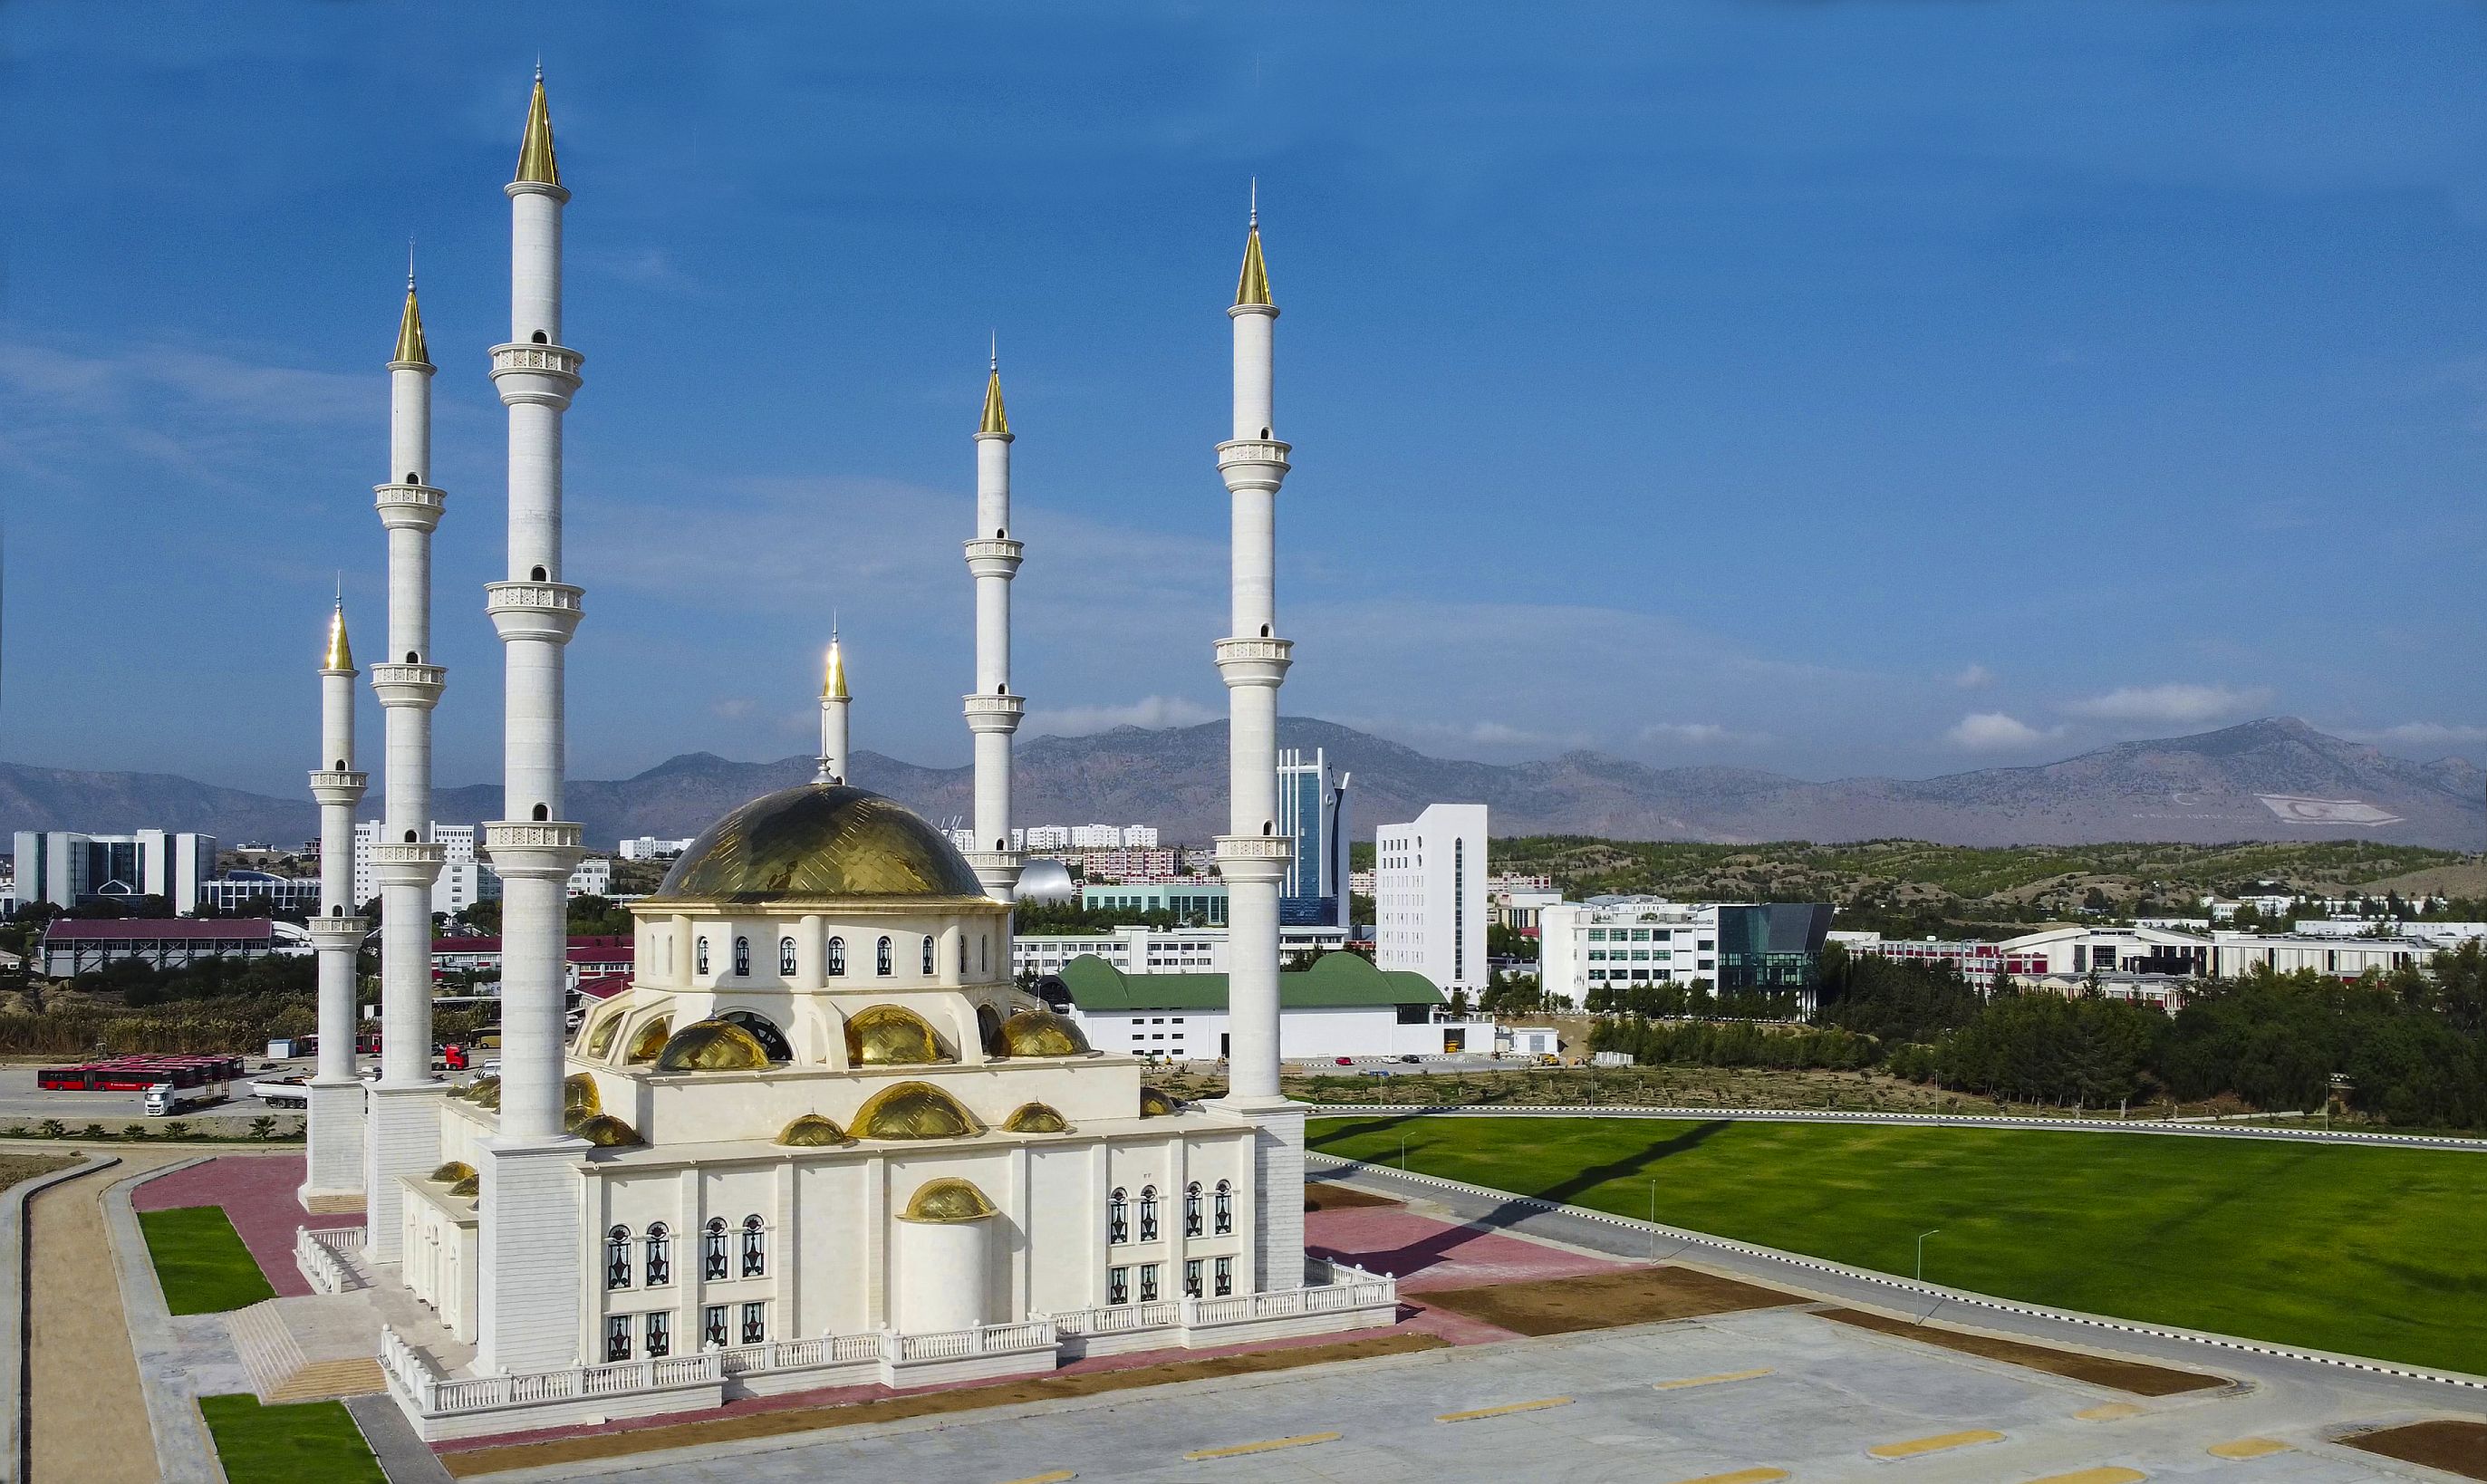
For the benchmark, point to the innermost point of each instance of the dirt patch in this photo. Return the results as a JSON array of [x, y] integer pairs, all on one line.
[[1321, 1197], [1635, 1296], [2130, 1375], [771, 1424], [2455, 1447], [15, 1168]]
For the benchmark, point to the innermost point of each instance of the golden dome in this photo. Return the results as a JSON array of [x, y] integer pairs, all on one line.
[[1042, 1033], [650, 1040], [713, 1046], [579, 1100], [484, 1092], [820, 840], [892, 1036], [1155, 1104], [452, 1172], [914, 1110], [1036, 1118], [948, 1201], [812, 1131], [600, 1036], [472, 1185], [606, 1131]]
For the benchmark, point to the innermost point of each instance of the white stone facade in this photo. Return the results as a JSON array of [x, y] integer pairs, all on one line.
[[1430, 897]]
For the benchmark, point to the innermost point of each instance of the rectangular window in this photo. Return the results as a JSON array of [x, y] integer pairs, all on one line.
[[755, 1323], [617, 1337], [712, 1326], [1597, 935], [1118, 1285], [1224, 1276], [1192, 1277], [660, 1335], [1148, 1282]]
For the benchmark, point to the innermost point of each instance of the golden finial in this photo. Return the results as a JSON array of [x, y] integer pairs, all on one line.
[[409, 329], [534, 152], [995, 420], [1253, 287], [833, 678], [340, 654]]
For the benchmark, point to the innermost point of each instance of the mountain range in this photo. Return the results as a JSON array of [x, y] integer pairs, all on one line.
[[2274, 779]]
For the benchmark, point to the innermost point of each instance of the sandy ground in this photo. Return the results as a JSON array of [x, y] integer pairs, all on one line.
[[88, 1420], [2453, 1447], [1633, 1295], [2098, 1370]]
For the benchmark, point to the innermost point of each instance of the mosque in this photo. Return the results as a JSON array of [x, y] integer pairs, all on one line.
[[822, 1138]]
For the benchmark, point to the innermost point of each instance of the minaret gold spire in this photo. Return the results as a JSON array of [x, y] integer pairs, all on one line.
[[1253, 286], [995, 420], [534, 152], [409, 331], [833, 678], [340, 654]]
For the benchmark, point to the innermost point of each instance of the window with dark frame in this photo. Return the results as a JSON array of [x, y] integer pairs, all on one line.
[[661, 1254], [1118, 1286], [660, 1335], [616, 1257], [837, 958], [755, 1323], [617, 1337], [1118, 1226], [713, 1325], [713, 1249], [755, 1247], [1148, 1212], [742, 958], [1192, 1277], [1222, 1208], [1191, 1209], [785, 957], [1224, 1269], [880, 962]]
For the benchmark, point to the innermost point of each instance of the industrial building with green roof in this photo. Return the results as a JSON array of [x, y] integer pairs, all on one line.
[[1340, 1006]]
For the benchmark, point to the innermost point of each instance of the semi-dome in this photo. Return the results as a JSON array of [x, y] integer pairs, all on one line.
[[713, 1046], [579, 1100], [651, 1040], [1042, 1033], [948, 1201], [1037, 1118], [892, 1036], [452, 1172], [606, 1131], [914, 1110], [1155, 1104], [813, 1131], [820, 840]]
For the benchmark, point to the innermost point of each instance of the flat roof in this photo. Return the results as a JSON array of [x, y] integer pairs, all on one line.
[[1336, 981]]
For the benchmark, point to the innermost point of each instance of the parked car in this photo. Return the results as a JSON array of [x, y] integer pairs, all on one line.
[[1410, 1058], [1347, 1061]]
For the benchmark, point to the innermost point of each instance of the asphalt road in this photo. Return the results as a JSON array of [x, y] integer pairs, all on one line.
[[22, 1100]]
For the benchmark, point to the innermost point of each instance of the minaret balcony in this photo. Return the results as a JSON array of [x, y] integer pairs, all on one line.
[[1253, 464], [331, 786], [331, 933], [987, 712], [535, 611], [1261, 858], [995, 557], [408, 862], [545, 849], [418, 506], [1254, 661], [410, 685], [540, 374]]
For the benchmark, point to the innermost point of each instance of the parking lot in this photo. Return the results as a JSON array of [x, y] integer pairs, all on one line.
[[22, 1101]]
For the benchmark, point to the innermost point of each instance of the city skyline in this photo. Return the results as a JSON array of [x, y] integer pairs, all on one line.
[[1896, 432]]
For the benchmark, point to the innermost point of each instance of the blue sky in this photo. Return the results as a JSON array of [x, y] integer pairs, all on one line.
[[1830, 388]]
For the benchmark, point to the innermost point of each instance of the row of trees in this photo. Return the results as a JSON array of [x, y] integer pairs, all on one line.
[[1733, 1044]]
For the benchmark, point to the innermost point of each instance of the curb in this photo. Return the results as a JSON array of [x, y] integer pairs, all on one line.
[[1388, 1173], [186, 1452], [17, 1339], [1903, 1120]]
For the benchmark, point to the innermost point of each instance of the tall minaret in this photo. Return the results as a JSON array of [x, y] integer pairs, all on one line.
[[333, 1170], [834, 700], [404, 1112], [527, 1268], [1253, 856], [993, 713]]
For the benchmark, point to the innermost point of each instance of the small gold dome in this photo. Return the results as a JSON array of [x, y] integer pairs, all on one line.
[[579, 1099], [713, 1046], [650, 1041], [914, 1110], [1042, 1033], [1155, 1104], [811, 1130], [452, 1172], [606, 1131], [472, 1185], [1036, 1118], [484, 1092], [600, 1036], [892, 1036], [947, 1202]]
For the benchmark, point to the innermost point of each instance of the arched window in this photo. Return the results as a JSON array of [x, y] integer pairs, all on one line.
[[742, 958], [1191, 1212], [616, 1257], [1118, 1226], [755, 1247], [1148, 1212], [713, 1249], [962, 953], [984, 953], [698, 957], [661, 1254], [881, 964], [837, 958], [1223, 1208], [928, 958], [785, 957]]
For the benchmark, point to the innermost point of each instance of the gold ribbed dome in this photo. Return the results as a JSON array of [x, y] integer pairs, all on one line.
[[600, 1036], [892, 1036], [472, 1185], [820, 840], [812, 1131], [484, 1092], [579, 1100], [947, 1201], [1155, 1104], [1036, 1118], [713, 1046], [452, 1172], [914, 1110], [1042, 1033], [606, 1131], [650, 1040]]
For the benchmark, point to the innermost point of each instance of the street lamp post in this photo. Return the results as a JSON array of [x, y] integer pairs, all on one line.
[[1921, 1251], [1653, 1219]]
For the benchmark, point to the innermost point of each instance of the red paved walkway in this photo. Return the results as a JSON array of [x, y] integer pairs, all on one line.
[[257, 1193], [1424, 1253]]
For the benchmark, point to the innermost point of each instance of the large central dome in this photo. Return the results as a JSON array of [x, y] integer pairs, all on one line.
[[820, 840]]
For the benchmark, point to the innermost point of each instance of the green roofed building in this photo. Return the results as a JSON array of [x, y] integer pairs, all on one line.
[[1340, 1006]]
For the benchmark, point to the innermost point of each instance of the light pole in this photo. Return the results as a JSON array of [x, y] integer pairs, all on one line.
[[1921, 1251], [1403, 1154], [1653, 1219]]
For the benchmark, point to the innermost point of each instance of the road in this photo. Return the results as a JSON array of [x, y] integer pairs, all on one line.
[[21, 1102]]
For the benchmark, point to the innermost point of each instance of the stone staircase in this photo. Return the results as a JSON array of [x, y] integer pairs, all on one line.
[[280, 1370]]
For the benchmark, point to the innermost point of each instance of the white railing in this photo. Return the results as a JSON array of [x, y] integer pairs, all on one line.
[[1117, 1318], [320, 1254], [955, 1344]]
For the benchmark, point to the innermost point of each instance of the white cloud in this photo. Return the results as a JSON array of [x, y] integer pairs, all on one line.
[[1696, 734], [2169, 705], [734, 708], [2422, 734], [1992, 731], [1976, 677], [1157, 711]]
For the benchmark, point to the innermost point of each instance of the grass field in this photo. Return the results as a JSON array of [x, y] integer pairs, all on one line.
[[2368, 1251], [306, 1443], [200, 1261]]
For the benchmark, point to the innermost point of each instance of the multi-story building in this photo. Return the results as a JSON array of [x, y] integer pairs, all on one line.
[[259, 890], [1733, 948], [464, 879], [593, 877], [1140, 837], [650, 848], [1429, 897], [1047, 837], [1340, 1006], [589, 955], [1139, 950], [1201, 904], [71, 946], [68, 867], [1312, 813], [1517, 907], [1127, 863]]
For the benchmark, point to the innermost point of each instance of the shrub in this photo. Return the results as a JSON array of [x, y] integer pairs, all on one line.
[[178, 1129]]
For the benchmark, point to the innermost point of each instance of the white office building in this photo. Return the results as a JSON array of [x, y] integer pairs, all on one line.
[[464, 881], [1142, 950], [593, 878], [650, 848], [67, 867], [1429, 896], [1610, 940], [1341, 1006]]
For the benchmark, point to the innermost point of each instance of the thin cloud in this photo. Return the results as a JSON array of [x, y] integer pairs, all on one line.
[[1976, 677], [1153, 712], [2169, 705], [2422, 734], [1696, 734], [1993, 730]]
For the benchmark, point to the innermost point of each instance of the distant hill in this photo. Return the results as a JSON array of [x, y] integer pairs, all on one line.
[[2276, 779]]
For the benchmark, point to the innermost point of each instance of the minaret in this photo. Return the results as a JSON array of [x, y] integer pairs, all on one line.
[[993, 713], [1253, 856], [333, 1169], [834, 713], [527, 1268], [403, 1110]]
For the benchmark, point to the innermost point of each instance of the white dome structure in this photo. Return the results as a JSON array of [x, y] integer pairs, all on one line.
[[1046, 880]]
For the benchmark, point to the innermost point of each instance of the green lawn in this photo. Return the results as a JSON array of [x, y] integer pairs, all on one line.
[[2368, 1251], [200, 1261], [305, 1442]]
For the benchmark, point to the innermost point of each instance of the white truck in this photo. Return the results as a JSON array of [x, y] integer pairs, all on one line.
[[164, 1098], [282, 1091]]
